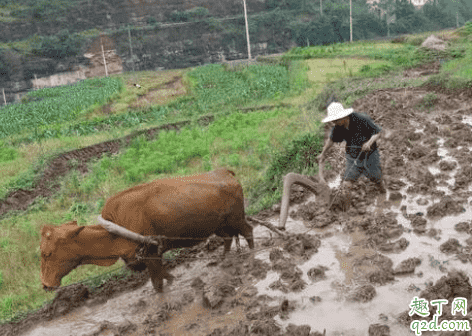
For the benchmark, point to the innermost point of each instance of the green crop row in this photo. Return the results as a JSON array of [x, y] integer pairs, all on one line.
[[214, 91], [98, 124], [214, 87], [51, 106], [398, 54]]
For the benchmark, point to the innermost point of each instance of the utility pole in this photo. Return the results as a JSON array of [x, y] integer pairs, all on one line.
[[350, 16], [321, 7], [104, 60], [247, 32]]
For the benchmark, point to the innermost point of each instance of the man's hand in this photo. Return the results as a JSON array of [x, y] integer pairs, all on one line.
[[366, 146]]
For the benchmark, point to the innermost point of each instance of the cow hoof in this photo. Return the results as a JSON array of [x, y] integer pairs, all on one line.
[[170, 279]]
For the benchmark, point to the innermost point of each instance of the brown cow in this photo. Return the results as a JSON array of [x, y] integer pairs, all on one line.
[[187, 207]]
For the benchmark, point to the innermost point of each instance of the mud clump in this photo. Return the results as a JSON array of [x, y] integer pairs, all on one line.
[[265, 327], [383, 229], [395, 247], [463, 227], [363, 293], [455, 284], [451, 246], [302, 245], [290, 277], [419, 225], [317, 273], [341, 200], [395, 196], [377, 269], [423, 179], [396, 184], [463, 177], [422, 201], [379, 330], [68, 298], [446, 207], [213, 296], [303, 330], [418, 152], [407, 266], [447, 165], [122, 329]]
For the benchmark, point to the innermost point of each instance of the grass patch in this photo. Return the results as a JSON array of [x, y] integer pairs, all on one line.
[[216, 89], [298, 156], [399, 55], [51, 106]]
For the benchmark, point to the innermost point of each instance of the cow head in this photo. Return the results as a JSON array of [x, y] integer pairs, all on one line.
[[58, 253]]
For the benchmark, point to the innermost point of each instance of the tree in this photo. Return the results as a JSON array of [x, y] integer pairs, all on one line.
[[403, 8], [388, 7]]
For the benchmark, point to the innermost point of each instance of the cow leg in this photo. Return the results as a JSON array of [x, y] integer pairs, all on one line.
[[238, 244], [228, 240], [155, 268], [158, 273]]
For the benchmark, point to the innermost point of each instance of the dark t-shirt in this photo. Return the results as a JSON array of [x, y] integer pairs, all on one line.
[[361, 129]]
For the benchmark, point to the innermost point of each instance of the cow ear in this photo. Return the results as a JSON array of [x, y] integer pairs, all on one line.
[[71, 234], [46, 232]]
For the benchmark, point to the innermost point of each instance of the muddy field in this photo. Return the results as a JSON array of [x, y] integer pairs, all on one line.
[[352, 270]]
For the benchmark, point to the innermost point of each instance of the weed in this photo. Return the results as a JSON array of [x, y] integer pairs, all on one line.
[[298, 156], [429, 100], [7, 153], [415, 40]]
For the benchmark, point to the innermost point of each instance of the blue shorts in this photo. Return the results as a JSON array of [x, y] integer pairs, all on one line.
[[371, 169]]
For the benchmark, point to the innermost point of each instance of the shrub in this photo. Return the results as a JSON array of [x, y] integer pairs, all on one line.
[[152, 21], [7, 153]]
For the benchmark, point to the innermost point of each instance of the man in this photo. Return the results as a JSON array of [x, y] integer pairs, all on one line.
[[361, 135]]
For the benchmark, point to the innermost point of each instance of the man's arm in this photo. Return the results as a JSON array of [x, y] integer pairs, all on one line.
[[383, 134], [376, 137], [320, 158]]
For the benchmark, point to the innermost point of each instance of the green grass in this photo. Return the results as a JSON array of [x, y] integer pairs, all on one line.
[[399, 55], [216, 89], [51, 106]]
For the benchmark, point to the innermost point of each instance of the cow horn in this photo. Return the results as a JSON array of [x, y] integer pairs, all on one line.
[[123, 232], [289, 179]]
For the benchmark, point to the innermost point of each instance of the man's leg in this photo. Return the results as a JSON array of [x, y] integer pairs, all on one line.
[[374, 171], [352, 172]]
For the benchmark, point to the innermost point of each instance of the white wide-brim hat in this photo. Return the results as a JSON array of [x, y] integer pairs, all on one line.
[[336, 111]]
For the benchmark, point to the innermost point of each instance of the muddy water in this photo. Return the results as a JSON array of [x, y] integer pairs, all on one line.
[[338, 253], [341, 317]]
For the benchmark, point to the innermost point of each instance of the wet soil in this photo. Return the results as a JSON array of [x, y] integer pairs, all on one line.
[[362, 248]]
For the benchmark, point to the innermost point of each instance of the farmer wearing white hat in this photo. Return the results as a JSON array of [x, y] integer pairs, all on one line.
[[361, 135]]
